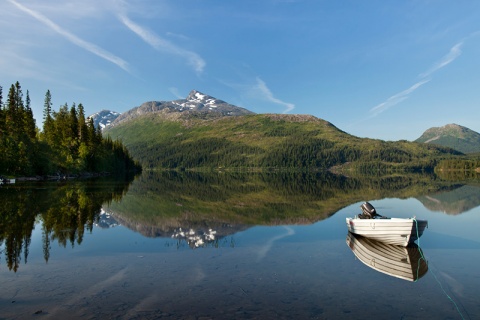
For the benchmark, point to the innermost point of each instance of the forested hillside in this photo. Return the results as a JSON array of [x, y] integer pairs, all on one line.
[[68, 143], [266, 141], [454, 136]]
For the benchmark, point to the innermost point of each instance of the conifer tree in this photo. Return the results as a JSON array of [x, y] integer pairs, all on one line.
[[69, 143], [11, 111], [73, 132], [47, 117], [73, 122], [30, 127], [92, 132], [82, 124], [2, 114]]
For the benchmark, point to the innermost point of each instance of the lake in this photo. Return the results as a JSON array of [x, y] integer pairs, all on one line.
[[179, 245]]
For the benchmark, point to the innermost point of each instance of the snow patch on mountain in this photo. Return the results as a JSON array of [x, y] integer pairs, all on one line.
[[196, 102], [104, 118]]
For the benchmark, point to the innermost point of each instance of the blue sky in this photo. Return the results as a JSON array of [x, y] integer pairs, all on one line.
[[380, 69]]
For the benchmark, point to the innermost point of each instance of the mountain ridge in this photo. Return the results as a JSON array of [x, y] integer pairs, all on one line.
[[204, 132], [196, 103], [268, 141], [453, 136], [104, 118]]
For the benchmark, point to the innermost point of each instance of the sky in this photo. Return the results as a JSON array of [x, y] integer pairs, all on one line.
[[377, 69]]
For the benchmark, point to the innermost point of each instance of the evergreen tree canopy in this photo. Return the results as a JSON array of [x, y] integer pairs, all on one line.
[[68, 144]]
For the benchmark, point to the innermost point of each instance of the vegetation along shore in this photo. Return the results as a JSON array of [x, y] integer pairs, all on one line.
[[68, 144]]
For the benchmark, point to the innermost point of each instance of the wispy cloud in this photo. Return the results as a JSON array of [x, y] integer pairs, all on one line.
[[73, 38], [397, 98], [453, 54], [160, 44], [266, 94], [425, 77]]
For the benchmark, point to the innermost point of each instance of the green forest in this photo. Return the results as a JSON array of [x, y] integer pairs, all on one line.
[[268, 142], [68, 144]]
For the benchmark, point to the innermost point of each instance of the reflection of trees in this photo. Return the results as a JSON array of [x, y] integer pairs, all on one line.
[[456, 201], [66, 211], [160, 202]]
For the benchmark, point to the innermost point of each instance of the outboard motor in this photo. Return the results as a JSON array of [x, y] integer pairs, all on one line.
[[368, 211]]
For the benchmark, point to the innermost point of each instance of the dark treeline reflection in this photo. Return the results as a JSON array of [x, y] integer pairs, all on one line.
[[165, 204], [307, 185], [66, 209], [159, 203]]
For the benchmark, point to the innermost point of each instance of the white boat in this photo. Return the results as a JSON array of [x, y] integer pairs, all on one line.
[[407, 263], [396, 231]]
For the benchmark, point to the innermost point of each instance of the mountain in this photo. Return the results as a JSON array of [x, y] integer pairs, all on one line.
[[453, 136], [196, 104], [104, 118], [203, 132]]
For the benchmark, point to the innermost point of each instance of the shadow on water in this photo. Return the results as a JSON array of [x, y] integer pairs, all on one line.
[[196, 209]]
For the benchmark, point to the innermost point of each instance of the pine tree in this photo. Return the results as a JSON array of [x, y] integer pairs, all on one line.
[[48, 124], [30, 127], [82, 124], [11, 111], [73, 132], [2, 114], [18, 148], [68, 143]]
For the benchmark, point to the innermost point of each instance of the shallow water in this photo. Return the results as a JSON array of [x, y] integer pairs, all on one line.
[[286, 271]]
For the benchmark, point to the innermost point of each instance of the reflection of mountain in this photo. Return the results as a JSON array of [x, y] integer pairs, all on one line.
[[181, 229], [456, 201], [106, 220], [407, 263], [160, 202]]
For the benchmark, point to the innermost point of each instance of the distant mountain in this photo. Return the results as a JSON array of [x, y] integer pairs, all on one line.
[[204, 132], [453, 136], [196, 104], [104, 118]]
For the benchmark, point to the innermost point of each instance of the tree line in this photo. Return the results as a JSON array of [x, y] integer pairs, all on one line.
[[293, 153], [69, 143]]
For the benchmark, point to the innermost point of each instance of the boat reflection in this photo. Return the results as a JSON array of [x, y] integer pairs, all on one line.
[[407, 263]]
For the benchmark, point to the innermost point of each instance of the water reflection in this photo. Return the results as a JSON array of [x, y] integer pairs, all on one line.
[[198, 209], [455, 201], [407, 263], [198, 238], [158, 203], [67, 210], [106, 220]]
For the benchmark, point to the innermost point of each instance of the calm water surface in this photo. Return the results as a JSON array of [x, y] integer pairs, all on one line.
[[143, 267]]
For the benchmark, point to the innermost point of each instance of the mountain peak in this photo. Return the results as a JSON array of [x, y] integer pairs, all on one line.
[[199, 100], [195, 103], [104, 118], [196, 95], [453, 136]]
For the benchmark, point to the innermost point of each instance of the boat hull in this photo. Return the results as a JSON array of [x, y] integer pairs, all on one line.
[[396, 231]]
